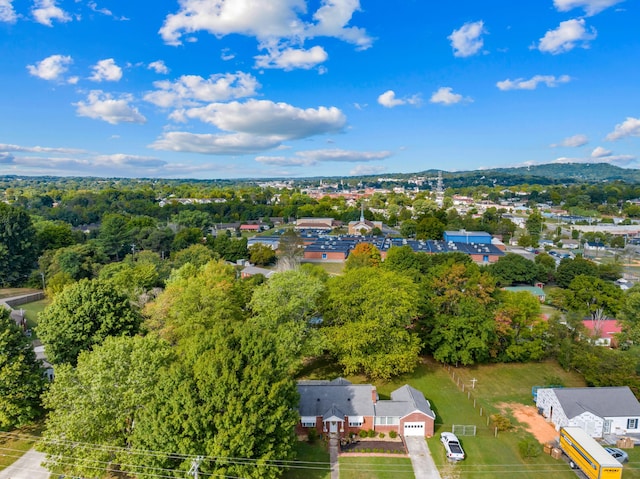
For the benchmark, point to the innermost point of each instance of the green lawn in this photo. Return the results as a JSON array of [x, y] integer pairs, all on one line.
[[31, 311], [312, 462], [12, 447], [375, 468], [487, 456]]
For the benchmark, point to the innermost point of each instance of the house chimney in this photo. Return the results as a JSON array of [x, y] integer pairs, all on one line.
[[374, 394]]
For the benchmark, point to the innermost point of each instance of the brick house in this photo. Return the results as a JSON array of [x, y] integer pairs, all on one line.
[[340, 407]]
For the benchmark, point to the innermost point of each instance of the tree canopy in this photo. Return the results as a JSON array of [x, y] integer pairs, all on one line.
[[99, 402], [21, 381], [368, 314], [17, 245], [85, 314]]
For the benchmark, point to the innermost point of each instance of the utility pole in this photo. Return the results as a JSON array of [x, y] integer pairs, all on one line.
[[195, 465]]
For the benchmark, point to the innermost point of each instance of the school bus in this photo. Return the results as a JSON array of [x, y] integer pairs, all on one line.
[[588, 455]]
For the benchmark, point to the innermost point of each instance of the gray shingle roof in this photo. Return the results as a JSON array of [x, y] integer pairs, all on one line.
[[319, 397], [404, 400], [603, 402]]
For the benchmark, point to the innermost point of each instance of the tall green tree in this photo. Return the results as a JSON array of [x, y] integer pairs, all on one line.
[[570, 268], [461, 327], [535, 225], [288, 303], [194, 300], [231, 395], [520, 331], [513, 268], [115, 236], [369, 314], [93, 408], [17, 245], [592, 296], [85, 314], [21, 381]]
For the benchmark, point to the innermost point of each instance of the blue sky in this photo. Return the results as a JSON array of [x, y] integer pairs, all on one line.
[[271, 88]]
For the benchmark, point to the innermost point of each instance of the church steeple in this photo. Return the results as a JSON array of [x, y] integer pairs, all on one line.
[[362, 212]]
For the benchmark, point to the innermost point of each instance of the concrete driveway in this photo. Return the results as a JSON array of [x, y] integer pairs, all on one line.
[[27, 467], [421, 460]]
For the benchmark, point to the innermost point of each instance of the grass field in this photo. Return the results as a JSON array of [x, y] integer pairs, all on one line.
[[487, 455], [312, 462], [12, 447], [375, 467], [31, 312]]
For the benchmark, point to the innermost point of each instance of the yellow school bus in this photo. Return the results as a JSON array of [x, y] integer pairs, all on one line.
[[588, 455]]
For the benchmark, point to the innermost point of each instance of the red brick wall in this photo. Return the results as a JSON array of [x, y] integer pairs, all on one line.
[[418, 417], [331, 255]]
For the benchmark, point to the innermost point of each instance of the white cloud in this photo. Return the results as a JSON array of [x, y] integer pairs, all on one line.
[[332, 19], [227, 55], [6, 147], [467, 40], [266, 118], [599, 152], [51, 68], [590, 7], [102, 106], [445, 96], [564, 38], [388, 99], [572, 141], [212, 144], [533, 82], [7, 13], [629, 127], [313, 157], [106, 70], [159, 67], [361, 170], [104, 11], [291, 58], [191, 90], [46, 10], [267, 21], [284, 161], [124, 160]]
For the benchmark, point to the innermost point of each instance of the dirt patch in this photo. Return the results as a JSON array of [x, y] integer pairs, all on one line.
[[532, 421]]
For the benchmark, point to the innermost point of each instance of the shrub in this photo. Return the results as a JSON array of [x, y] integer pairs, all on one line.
[[529, 447], [363, 433], [503, 423], [372, 433], [312, 435], [393, 434], [381, 435]]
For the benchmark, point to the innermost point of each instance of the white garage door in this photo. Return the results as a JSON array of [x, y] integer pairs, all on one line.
[[414, 429]]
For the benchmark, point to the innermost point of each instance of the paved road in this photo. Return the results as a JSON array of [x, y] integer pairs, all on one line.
[[421, 460], [27, 467]]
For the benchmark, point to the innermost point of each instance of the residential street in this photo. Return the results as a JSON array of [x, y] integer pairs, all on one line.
[[27, 467]]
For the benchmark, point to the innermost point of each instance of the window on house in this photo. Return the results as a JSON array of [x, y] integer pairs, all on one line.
[[308, 421], [356, 421], [387, 421], [632, 424], [324, 255]]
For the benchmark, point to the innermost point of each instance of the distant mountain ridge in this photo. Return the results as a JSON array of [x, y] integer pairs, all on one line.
[[552, 173]]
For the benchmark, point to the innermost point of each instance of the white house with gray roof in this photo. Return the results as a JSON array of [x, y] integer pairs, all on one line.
[[599, 411], [340, 407]]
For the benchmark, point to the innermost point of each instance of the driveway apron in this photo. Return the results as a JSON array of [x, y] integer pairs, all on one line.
[[421, 460]]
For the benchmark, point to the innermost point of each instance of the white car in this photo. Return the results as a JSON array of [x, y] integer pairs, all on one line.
[[452, 446]]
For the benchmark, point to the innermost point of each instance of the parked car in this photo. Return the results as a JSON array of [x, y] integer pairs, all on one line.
[[619, 454], [452, 446]]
